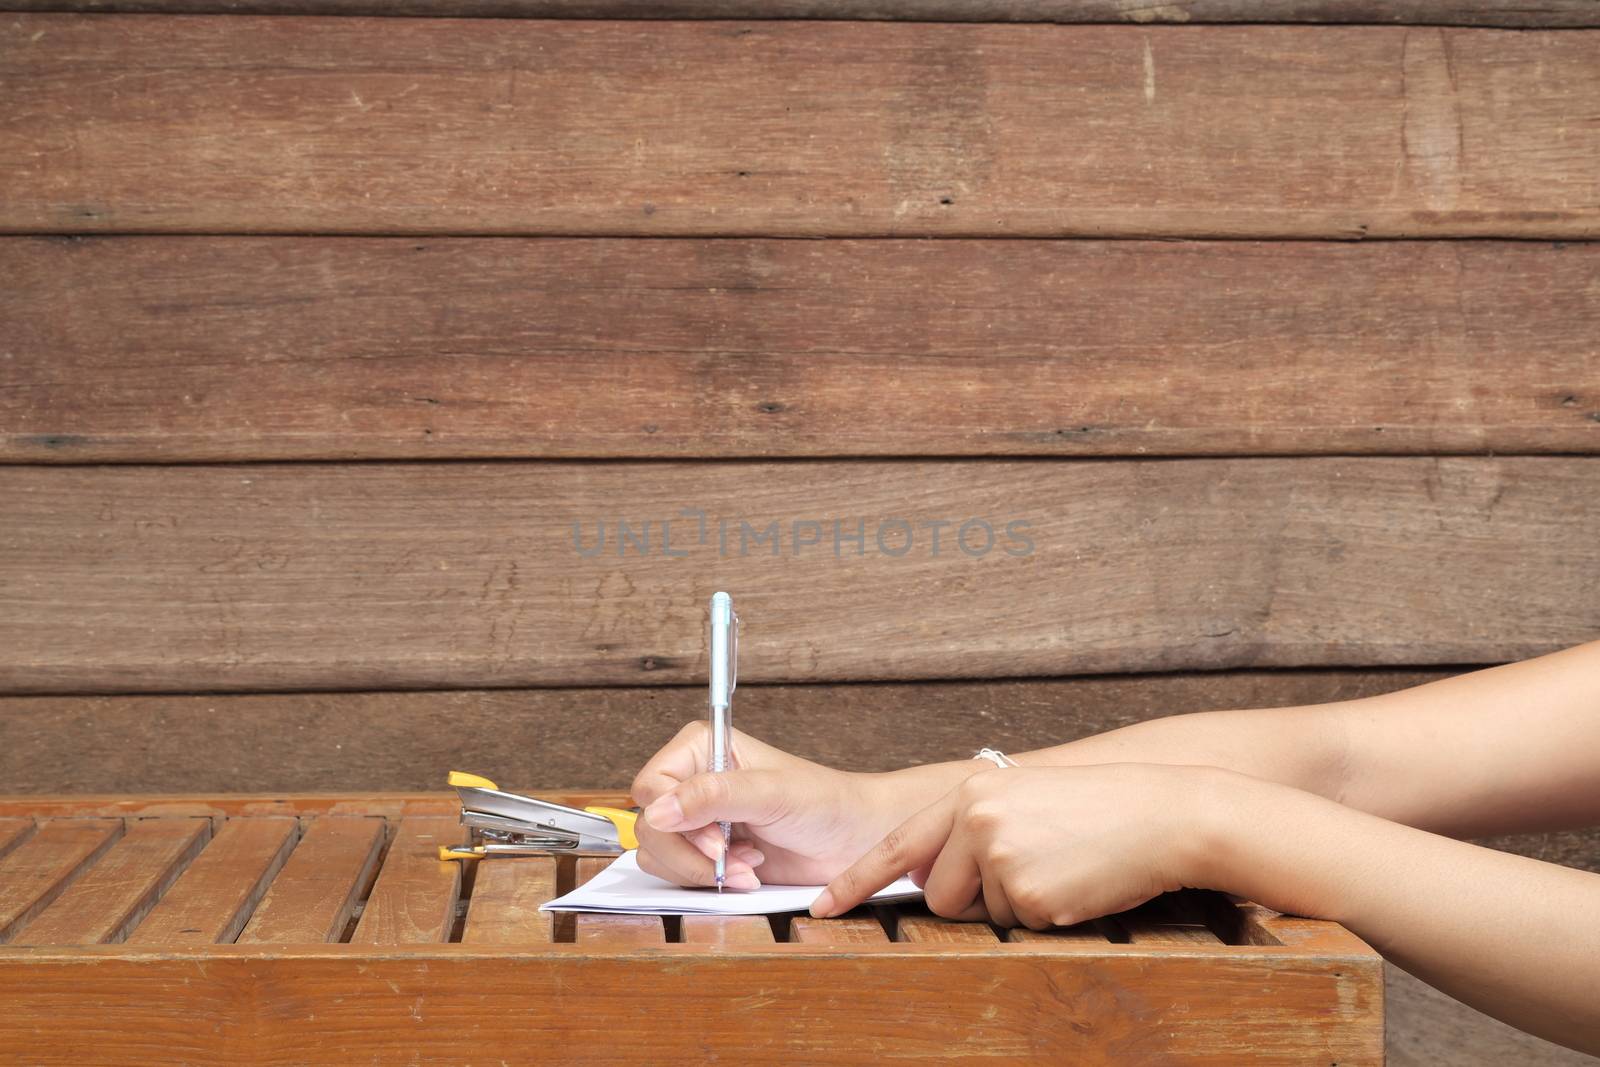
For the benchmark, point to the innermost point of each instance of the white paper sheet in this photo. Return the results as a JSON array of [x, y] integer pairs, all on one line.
[[624, 889]]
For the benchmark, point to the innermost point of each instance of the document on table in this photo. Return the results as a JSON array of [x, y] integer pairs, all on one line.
[[623, 889]]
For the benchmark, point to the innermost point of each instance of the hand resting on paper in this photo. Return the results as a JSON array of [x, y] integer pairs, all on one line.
[[1042, 846]]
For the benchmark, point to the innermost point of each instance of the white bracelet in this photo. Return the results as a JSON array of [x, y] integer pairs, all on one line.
[[996, 757]]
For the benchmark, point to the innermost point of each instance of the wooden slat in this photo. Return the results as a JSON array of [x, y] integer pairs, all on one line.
[[213, 899], [738, 1006], [308, 348], [114, 894], [1515, 13], [1144, 932], [506, 894], [327, 576], [394, 741], [919, 927], [35, 873], [857, 928], [312, 898], [247, 124], [14, 830], [614, 931], [726, 930], [1170, 919], [414, 898], [1082, 934], [1263, 926]]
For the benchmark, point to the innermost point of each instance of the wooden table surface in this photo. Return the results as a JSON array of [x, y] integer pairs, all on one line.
[[228, 929]]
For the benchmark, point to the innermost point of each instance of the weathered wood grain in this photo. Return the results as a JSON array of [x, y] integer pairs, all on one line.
[[920, 927], [204, 124], [524, 738], [749, 1005], [506, 895], [13, 832], [725, 930], [857, 928], [1081, 934], [35, 873], [122, 886], [151, 348], [1142, 931], [311, 576], [212, 899], [612, 931], [312, 899], [1517, 13], [414, 899]]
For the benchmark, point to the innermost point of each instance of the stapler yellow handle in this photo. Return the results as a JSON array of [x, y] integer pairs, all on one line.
[[623, 820], [471, 781]]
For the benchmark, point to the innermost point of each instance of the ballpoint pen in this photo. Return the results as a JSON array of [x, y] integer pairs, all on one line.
[[724, 676]]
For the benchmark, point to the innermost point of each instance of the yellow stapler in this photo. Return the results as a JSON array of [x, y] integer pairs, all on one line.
[[508, 824]]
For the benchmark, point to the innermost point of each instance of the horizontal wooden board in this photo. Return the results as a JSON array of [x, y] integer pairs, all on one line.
[[128, 123], [1547, 13], [308, 576], [193, 348], [526, 737], [757, 1004]]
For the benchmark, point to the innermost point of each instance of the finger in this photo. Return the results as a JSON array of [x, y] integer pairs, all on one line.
[[756, 797], [749, 854], [953, 884], [671, 857], [685, 756], [996, 903], [708, 839], [911, 845]]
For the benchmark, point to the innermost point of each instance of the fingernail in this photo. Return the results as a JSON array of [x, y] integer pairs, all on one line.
[[822, 907], [665, 814], [744, 881]]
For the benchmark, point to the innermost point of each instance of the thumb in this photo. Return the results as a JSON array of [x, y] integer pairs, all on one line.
[[757, 797]]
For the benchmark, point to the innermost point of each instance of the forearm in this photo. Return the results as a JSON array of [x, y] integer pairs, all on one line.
[[1515, 938], [1302, 747], [1513, 748]]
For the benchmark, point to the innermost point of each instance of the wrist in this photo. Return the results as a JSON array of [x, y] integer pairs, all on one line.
[[1217, 825], [1276, 845], [900, 794]]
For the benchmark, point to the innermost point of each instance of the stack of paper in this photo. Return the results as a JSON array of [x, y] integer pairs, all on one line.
[[624, 889]]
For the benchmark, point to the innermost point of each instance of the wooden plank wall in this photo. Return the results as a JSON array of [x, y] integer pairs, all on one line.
[[1266, 351]]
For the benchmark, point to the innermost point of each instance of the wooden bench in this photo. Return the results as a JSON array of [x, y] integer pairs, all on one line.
[[292, 929], [320, 336]]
